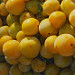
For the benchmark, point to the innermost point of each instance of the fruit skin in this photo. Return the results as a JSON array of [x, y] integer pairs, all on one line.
[[4, 69], [13, 29], [57, 19], [44, 53], [67, 6], [3, 10], [38, 65], [66, 72], [25, 16], [30, 26], [72, 18], [50, 6], [32, 6], [25, 61], [52, 69], [15, 7], [67, 28], [14, 70], [3, 40], [49, 44], [4, 31], [11, 61], [46, 29], [11, 19], [20, 35], [24, 68], [30, 47], [65, 44], [1, 22], [61, 61], [11, 49]]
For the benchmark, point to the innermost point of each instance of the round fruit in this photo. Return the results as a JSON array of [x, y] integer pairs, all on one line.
[[4, 31], [11, 61], [72, 18], [67, 28], [44, 53], [30, 47], [3, 40], [66, 72], [65, 44], [61, 61], [46, 29], [11, 19], [3, 10], [13, 29], [57, 19], [49, 44], [38, 65], [30, 26], [67, 6], [32, 6], [20, 35], [14, 70], [12, 49], [52, 69], [25, 61], [25, 16], [15, 7], [50, 6], [24, 68]]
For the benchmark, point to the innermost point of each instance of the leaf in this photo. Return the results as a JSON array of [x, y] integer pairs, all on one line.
[[40, 9]]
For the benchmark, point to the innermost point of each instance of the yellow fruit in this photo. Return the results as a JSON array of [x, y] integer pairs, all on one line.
[[14, 70], [4, 69], [24, 68], [13, 29], [57, 19], [30, 26], [52, 69], [32, 6], [3, 10], [11, 61], [4, 31], [44, 53], [15, 7], [38, 65], [50, 6], [20, 35], [25, 61], [11, 19], [3, 40], [67, 28], [46, 29], [1, 22], [28, 73], [72, 18], [30, 47], [65, 44], [11, 49], [49, 44], [67, 6], [25, 16]]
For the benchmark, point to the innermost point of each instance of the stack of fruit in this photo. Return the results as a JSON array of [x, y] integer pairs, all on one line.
[[37, 37]]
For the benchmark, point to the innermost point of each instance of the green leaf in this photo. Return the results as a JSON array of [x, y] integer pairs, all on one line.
[[40, 9]]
